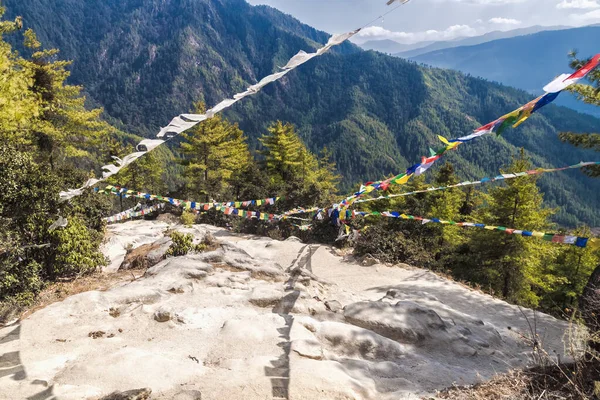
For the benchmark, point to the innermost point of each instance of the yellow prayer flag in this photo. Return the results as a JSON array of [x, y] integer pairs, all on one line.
[[403, 180], [594, 244]]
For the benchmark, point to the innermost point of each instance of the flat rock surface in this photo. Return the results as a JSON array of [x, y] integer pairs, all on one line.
[[250, 321]]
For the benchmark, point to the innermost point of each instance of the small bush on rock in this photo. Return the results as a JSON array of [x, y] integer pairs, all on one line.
[[182, 244], [188, 218]]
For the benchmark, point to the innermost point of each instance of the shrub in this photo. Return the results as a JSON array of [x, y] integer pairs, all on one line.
[[188, 218], [387, 243], [76, 250], [182, 244]]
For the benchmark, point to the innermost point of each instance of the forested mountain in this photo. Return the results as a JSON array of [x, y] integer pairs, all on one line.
[[527, 62], [146, 61]]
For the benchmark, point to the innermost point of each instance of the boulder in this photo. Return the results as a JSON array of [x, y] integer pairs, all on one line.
[[308, 348], [162, 316], [333, 306], [266, 296], [404, 322], [147, 255]]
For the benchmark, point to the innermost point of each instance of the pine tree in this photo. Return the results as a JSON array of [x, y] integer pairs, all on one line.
[[65, 128], [19, 106], [294, 172], [510, 264], [285, 154], [214, 152]]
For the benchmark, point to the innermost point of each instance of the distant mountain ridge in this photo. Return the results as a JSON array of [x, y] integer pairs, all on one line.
[[527, 62], [146, 61], [412, 50]]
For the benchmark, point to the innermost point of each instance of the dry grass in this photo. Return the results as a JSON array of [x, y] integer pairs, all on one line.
[[540, 383], [59, 291]]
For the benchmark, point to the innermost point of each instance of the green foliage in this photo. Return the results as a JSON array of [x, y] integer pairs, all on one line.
[[509, 265], [44, 127], [182, 244], [188, 218], [214, 153], [294, 172], [76, 250], [574, 265], [145, 175]]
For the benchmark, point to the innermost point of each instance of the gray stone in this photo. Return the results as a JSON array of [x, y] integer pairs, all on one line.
[[136, 394], [308, 348], [265, 296], [405, 322], [147, 255], [333, 305], [162, 316], [369, 261]]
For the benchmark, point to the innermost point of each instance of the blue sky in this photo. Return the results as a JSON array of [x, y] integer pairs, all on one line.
[[425, 20]]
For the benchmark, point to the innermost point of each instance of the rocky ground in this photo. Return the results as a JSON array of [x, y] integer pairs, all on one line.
[[264, 319]]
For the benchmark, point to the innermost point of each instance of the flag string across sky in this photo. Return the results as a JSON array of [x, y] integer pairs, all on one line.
[[120, 191], [514, 118], [184, 122], [133, 213], [501, 177], [230, 208]]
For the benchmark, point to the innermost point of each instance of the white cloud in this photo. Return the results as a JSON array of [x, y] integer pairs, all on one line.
[[452, 32], [505, 21], [578, 4], [587, 18]]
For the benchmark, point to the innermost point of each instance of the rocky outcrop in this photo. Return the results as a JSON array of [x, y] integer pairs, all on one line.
[[136, 394], [404, 322], [146, 255]]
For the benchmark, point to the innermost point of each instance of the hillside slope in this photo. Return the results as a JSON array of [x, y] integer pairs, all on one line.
[[146, 61], [527, 62]]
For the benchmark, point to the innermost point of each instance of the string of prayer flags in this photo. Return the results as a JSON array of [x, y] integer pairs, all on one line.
[[119, 191], [133, 213], [520, 115], [483, 181], [582, 242], [514, 118]]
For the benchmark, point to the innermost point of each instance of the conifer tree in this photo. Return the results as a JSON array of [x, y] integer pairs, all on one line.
[[510, 265], [574, 265], [285, 154], [446, 205], [294, 172], [215, 151], [65, 128], [19, 106]]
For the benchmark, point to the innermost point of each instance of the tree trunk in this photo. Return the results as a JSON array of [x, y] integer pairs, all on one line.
[[506, 286], [589, 303]]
